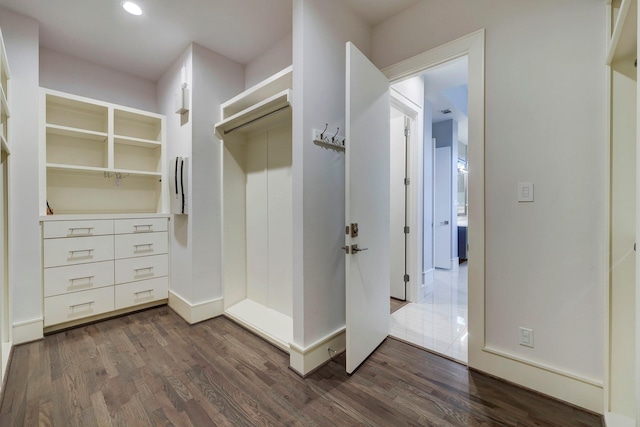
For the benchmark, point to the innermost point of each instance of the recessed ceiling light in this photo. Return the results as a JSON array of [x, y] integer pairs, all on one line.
[[132, 8]]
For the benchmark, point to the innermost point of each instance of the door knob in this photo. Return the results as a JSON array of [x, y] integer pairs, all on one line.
[[444, 223], [355, 249]]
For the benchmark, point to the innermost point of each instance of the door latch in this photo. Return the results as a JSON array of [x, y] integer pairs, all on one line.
[[346, 249], [355, 249]]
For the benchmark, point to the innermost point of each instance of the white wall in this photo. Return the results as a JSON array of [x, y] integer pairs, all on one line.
[[215, 80], [178, 136], [277, 58], [320, 30], [196, 247], [21, 37], [69, 74], [544, 76]]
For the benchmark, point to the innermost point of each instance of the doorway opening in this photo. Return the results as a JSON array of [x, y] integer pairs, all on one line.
[[429, 152]]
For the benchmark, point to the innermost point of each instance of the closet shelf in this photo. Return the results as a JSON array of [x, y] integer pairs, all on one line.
[[57, 167], [623, 43], [5, 105], [271, 325], [76, 133], [5, 145], [137, 142], [265, 89], [257, 116]]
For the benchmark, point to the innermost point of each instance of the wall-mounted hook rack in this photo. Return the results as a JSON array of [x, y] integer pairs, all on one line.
[[329, 139]]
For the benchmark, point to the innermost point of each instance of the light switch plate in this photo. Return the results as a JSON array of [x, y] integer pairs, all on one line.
[[525, 192]]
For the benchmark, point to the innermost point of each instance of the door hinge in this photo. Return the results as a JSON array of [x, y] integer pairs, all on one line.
[[406, 278], [406, 230], [407, 181], [406, 132]]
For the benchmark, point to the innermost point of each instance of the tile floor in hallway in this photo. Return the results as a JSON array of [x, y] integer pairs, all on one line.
[[439, 322]]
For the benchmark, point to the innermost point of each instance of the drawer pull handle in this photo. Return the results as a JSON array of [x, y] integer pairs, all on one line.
[[89, 303], [143, 247], [72, 230], [79, 251], [149, 270], [89, 280], [148, 291], [143, 228]]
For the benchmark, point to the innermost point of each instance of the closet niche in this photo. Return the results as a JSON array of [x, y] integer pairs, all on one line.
[[258, 231]]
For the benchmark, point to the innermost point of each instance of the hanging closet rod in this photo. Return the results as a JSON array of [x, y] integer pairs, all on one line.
[[256, 119]]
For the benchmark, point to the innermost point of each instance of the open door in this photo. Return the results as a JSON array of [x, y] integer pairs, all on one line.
[[443, 204], [367, 171]]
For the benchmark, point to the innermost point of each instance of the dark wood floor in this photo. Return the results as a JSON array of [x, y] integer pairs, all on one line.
[[151, 368]]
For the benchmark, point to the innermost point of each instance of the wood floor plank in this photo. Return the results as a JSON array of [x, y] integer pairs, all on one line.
[[153, 369]]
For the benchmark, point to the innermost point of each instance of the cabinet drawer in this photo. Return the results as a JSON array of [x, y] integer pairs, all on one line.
[[77, 305], [73, 278], [141, 268], [77, 250], [141, 292], [55, 229], [143, 225], [143, 244]]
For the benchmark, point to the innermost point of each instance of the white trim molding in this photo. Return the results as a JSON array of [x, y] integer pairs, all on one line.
[[195, 313], [27, 331], [304, 361]]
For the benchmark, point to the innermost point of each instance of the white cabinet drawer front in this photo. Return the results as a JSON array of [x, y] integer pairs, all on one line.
[[135, 293], [141, 268], [77, 305], [143, 244], [139, 226], [77, 250], [55, 229], [81, 277]]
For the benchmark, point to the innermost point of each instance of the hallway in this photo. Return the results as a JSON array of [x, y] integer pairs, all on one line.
[[439, 322]]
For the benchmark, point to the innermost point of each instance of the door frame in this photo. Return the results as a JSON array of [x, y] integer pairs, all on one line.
[[414, 291], [473, 46]]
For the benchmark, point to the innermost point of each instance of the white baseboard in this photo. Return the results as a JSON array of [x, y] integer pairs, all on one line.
[[455, 263], [27, 331], [563, 385], [194, 313], [428, 279], [304, 361], [612, 419]]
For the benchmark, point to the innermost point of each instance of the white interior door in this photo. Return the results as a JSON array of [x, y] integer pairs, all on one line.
[[367, 190], [397, 156], [442, 206]]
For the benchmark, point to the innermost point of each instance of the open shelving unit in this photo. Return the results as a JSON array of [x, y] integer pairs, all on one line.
[[5, 257], [101, 157], [256, 131], [621, 387]]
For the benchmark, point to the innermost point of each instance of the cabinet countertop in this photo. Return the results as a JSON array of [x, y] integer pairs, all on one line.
[[80, 217]]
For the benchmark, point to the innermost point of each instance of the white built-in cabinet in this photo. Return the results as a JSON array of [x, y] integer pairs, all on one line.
[[5, 288], [256, 131], [99, 265], [621, 370], [103, 203], [98, 157]]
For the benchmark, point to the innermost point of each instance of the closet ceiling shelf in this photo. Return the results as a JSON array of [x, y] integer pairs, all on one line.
[[263, 90], [258, 116]]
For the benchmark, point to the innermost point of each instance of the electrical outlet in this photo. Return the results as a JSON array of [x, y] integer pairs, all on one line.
[[526, 337]]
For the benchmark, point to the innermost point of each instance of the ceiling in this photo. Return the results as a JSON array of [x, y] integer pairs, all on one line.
[[441, 83], [101, 32]]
